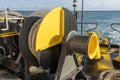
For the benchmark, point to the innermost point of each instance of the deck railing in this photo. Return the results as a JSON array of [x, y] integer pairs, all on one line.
[[87, 27], [116, 29]]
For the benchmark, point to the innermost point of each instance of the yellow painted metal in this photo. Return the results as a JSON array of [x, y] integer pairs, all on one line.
[[79, 58], [2, 18], [93, 46], [8, 34], [93, 67], [103, 49], [51, 30], [117, 59], [105, 63], [104, 41], [98, 55]]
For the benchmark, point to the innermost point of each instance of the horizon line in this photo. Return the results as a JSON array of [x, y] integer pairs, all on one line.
[[50, 9]]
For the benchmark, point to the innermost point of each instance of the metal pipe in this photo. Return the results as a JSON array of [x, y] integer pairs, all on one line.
[[12, 18], [82, 16], [78, 44], [15, 18], [6, 20]]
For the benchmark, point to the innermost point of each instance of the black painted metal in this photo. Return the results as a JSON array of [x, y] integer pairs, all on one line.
[[78, 44], [29, 59], [48, 59], [23, 40], [70, 22]]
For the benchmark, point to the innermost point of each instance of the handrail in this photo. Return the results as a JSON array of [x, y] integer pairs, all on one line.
[[12, 18], [114, 28], [7, 19], [88, 24]]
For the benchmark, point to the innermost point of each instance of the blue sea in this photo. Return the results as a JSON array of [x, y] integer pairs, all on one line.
[[103, 19]]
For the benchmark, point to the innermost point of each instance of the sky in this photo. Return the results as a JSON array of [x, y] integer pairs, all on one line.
[[49, 4]]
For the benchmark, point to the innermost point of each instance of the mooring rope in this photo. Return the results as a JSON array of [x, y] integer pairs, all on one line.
[[109, 75]]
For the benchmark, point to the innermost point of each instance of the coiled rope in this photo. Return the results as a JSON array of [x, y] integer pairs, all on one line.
[[109, 75]]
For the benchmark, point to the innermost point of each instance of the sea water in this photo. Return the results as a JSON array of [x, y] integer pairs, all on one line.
[[104, 19]]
